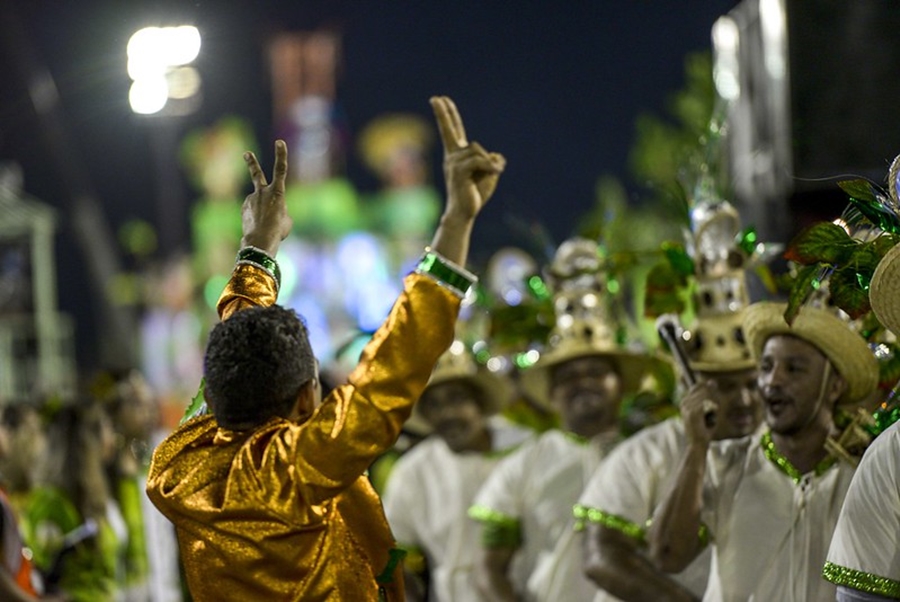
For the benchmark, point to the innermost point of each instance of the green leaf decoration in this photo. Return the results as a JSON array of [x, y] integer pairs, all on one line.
[[663, 293], [823, 242], [870, 201], [679, 258], [889, 367], [885, 243], [859, 189], [808, 280], [198, 405], [847, 293]]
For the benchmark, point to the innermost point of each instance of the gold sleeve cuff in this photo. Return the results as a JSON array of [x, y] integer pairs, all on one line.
[[249, 286]]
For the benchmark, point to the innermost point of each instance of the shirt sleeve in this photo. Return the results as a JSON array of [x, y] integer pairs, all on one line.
[[620, 494], [864, 552], [249, 286], [498, 504], [362, 418]]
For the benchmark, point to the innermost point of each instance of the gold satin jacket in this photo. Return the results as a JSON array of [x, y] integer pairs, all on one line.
[[284, 512]]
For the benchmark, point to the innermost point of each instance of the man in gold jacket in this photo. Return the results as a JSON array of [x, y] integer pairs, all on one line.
[[268, 493]]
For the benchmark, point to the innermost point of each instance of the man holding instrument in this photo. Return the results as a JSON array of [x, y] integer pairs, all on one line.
[[769, 504]]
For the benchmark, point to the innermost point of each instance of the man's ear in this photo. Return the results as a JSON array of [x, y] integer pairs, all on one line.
[[307, 399]]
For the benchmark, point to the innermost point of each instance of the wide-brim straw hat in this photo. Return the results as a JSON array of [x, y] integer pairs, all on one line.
[[884, 291], [847, 350], [458, 364], [631, 366]]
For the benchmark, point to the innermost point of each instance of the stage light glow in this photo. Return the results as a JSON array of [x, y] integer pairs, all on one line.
[[179, 45], [148, 95], [183, 82], [156, 63], [726, 69]]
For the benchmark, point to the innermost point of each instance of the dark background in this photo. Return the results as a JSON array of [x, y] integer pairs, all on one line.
[[554, 86]]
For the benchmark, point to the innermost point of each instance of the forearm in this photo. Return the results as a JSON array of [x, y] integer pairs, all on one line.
[[673, 537], [620, 569], [492, 574], [451, 239]]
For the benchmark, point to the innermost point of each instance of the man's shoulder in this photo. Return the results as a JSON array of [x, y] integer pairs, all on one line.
[[668, 434], [423, 455]]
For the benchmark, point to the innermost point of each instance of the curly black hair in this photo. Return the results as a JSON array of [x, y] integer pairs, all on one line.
[[256, 363]]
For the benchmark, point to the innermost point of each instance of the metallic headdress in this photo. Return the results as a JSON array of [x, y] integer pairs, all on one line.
[[585, 324]]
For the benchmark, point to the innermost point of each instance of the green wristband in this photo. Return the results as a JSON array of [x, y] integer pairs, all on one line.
[[456, 279], [261, 259]]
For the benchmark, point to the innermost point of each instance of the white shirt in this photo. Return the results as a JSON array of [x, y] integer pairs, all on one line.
[[632, 482], [426, 499], [865, 550], [536, 486], [770, 533]]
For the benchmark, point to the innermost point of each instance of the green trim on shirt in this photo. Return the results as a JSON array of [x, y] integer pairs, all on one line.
[[499, 530], [395, 556], [768, 447], [585, 514], [860, 580], [575, 438], [623, 525], [414, 560]]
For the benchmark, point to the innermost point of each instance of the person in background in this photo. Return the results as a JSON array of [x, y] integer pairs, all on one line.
[[769, 504], [620, 498], [525, 506], [268, 493], [19, 581], [71, 520], [432, 486], [862, 560]]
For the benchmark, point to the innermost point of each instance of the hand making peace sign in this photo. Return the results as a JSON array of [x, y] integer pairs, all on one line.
[[471, 173]]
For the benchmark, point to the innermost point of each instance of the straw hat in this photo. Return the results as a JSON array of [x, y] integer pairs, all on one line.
[[846, 350], [586, 338], [458, 364], [885, 282], [585, 323], [884, 291]]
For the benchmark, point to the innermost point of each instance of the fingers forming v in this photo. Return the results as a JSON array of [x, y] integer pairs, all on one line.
[[256, 173], [279, 175], [449, 123]]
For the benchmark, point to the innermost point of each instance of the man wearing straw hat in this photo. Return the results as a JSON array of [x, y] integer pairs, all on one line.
[[526, 504], [431, 486], [862, 560], [620, 498], [768, 504]]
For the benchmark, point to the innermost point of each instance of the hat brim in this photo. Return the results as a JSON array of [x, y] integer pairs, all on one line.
[[884, 290], [632, 367], [496, 392], [845, 349]]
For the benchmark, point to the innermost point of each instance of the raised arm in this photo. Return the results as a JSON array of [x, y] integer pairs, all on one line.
[[674, 534], [264, 218], [471, 175], [264, 224]]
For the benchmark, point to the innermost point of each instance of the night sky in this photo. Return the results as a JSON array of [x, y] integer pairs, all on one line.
[[555, 87]]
